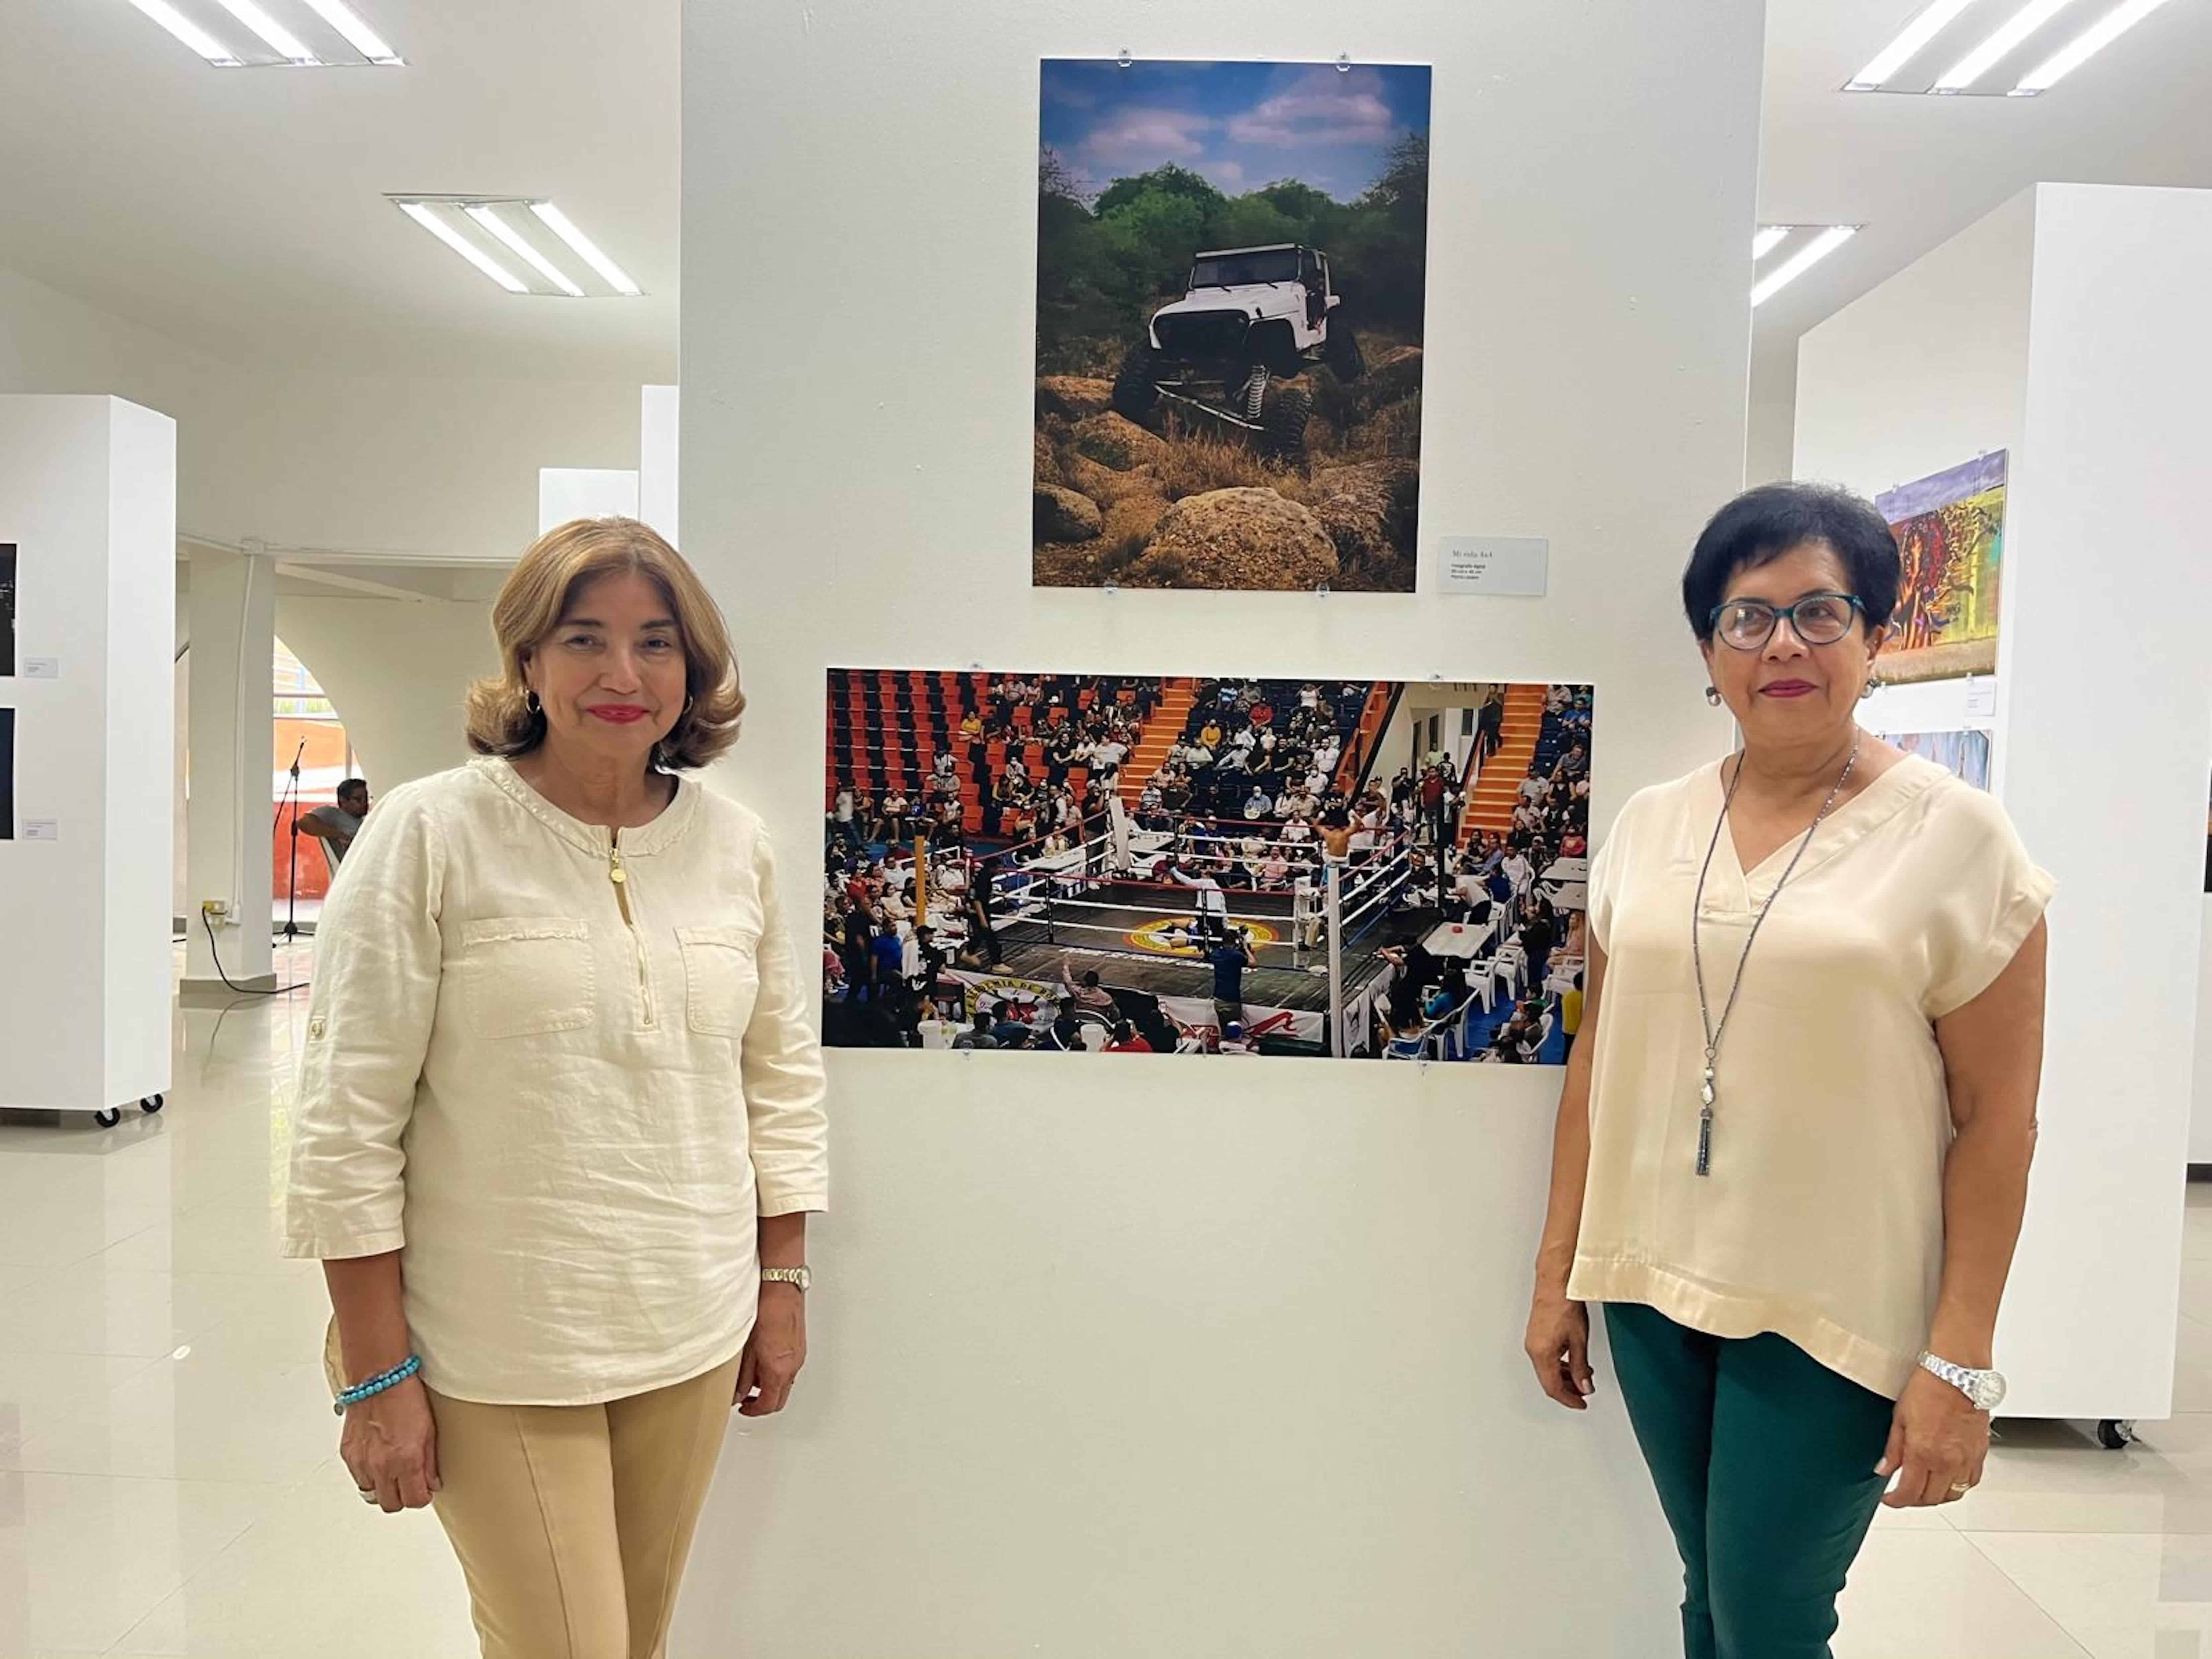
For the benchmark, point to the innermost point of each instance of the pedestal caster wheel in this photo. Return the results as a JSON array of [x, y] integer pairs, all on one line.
[[2116, 1432], [153, 1102], [108, 1118]]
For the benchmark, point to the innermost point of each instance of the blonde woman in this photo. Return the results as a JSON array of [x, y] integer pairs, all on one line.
[[560, 1115]]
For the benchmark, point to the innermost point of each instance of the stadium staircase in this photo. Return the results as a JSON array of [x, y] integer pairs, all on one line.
[[1497, 786], [1158, 735]]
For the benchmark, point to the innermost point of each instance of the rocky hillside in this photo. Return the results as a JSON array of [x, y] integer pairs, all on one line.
[[1171, 503]]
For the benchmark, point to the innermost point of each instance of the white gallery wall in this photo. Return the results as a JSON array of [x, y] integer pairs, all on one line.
[[396, 671], [87, 495], [295, 459], [2070, 327], [2200, 1115], [1250, 1341]]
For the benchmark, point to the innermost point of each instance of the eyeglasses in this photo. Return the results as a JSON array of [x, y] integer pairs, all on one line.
[[1817, 619]]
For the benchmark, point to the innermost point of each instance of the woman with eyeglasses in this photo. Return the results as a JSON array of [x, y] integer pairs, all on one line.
[[1792, 1156]]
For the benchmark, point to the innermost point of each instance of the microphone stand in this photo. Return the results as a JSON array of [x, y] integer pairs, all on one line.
[[292, 879]]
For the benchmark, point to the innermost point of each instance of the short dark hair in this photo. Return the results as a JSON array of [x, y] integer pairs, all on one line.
[[353, 787], [1761, 525]]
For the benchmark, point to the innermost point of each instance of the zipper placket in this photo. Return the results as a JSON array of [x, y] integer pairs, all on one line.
[[620, 876]]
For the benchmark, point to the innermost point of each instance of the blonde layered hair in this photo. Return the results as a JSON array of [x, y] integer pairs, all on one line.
[[537, 595]]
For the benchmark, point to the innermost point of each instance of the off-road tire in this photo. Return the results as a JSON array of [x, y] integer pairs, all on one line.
[[1136, 391], [1340, 352], [1282, 424]]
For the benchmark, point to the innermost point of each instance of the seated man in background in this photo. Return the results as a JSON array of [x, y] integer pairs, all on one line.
[[335, 826]]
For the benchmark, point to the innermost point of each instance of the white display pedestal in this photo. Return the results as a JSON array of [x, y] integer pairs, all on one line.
[[2070, 327], [88, 494]]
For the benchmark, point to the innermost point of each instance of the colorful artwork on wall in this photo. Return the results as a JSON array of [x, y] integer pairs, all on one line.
[[7, 774], [1950, 541], [1964, 754], [7, 609]]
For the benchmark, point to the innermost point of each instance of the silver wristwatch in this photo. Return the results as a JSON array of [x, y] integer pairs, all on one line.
[[797, 1276], [1986, 1388]]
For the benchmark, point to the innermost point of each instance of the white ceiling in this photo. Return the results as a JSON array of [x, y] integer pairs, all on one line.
[[242, 210], [1917, 170]]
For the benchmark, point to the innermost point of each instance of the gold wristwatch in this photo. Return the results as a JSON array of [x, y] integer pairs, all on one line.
[[799, 1276]]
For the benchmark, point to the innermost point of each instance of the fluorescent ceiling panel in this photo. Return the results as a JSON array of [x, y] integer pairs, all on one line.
[[281, 40], [2092, 40], [488, 216], [585, 249], [357, 34], [189, 31], [1908, 45], [1983, 58], [427, 218], [1769, 237], [1800, 262]]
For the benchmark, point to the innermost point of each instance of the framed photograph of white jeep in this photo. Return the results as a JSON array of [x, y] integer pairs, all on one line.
[[1231, 267]]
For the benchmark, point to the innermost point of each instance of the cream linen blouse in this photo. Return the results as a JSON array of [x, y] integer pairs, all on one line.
[[1822, 1220], [565, 1100]]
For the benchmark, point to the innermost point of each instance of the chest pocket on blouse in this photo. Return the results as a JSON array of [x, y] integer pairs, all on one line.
[[722, 977], [527, 975]]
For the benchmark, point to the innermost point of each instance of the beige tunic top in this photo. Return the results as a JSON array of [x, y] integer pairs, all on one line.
[[1822, 1220], [567, 1116]]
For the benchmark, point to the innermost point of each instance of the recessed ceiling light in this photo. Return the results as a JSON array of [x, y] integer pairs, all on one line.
[[2098, 35], [282, 41], [1984, 58], [485, 229], [427, 216], [358, 35], [190, 32], [277, 43], [489, 217], [1907, 45], [609, 273], [1769, 237], [1800, 262]]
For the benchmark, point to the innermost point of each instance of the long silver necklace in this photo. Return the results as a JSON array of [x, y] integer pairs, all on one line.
[[1707, 1095]]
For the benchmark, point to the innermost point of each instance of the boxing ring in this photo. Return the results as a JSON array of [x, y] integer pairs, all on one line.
[[1146, 909]]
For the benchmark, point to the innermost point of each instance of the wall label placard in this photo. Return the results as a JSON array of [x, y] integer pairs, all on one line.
[[1508, 567], [42, 829], [42, 668]]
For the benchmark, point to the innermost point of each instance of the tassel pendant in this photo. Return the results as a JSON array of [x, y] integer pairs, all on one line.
[[1705, 1125]]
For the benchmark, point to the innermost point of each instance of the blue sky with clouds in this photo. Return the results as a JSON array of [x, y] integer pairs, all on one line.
[[1241, 125]]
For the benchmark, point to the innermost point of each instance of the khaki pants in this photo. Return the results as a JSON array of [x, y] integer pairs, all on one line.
[[572, 1523]]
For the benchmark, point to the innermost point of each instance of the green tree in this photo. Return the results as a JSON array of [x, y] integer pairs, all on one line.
[[1167, 180], [1153, 235], [1253, 221], [1381, 254]]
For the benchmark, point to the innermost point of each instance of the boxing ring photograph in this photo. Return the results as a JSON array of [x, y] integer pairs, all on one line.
[[1352, 921]]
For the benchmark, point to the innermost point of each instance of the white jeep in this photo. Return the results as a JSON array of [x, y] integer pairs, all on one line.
[[1248, 317]]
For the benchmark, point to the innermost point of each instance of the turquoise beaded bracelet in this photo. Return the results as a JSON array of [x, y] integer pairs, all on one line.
[[376, 1385]]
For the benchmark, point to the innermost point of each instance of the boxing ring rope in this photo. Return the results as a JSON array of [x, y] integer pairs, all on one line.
[[1335, 901]]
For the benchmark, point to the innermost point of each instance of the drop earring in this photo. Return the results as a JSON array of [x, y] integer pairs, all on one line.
[[1713, 696], [531, 702]]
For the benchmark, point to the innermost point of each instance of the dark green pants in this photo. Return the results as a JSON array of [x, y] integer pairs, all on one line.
[[1763, 1459]]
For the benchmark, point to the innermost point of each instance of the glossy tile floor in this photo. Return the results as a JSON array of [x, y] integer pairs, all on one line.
[[168, 1483]]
